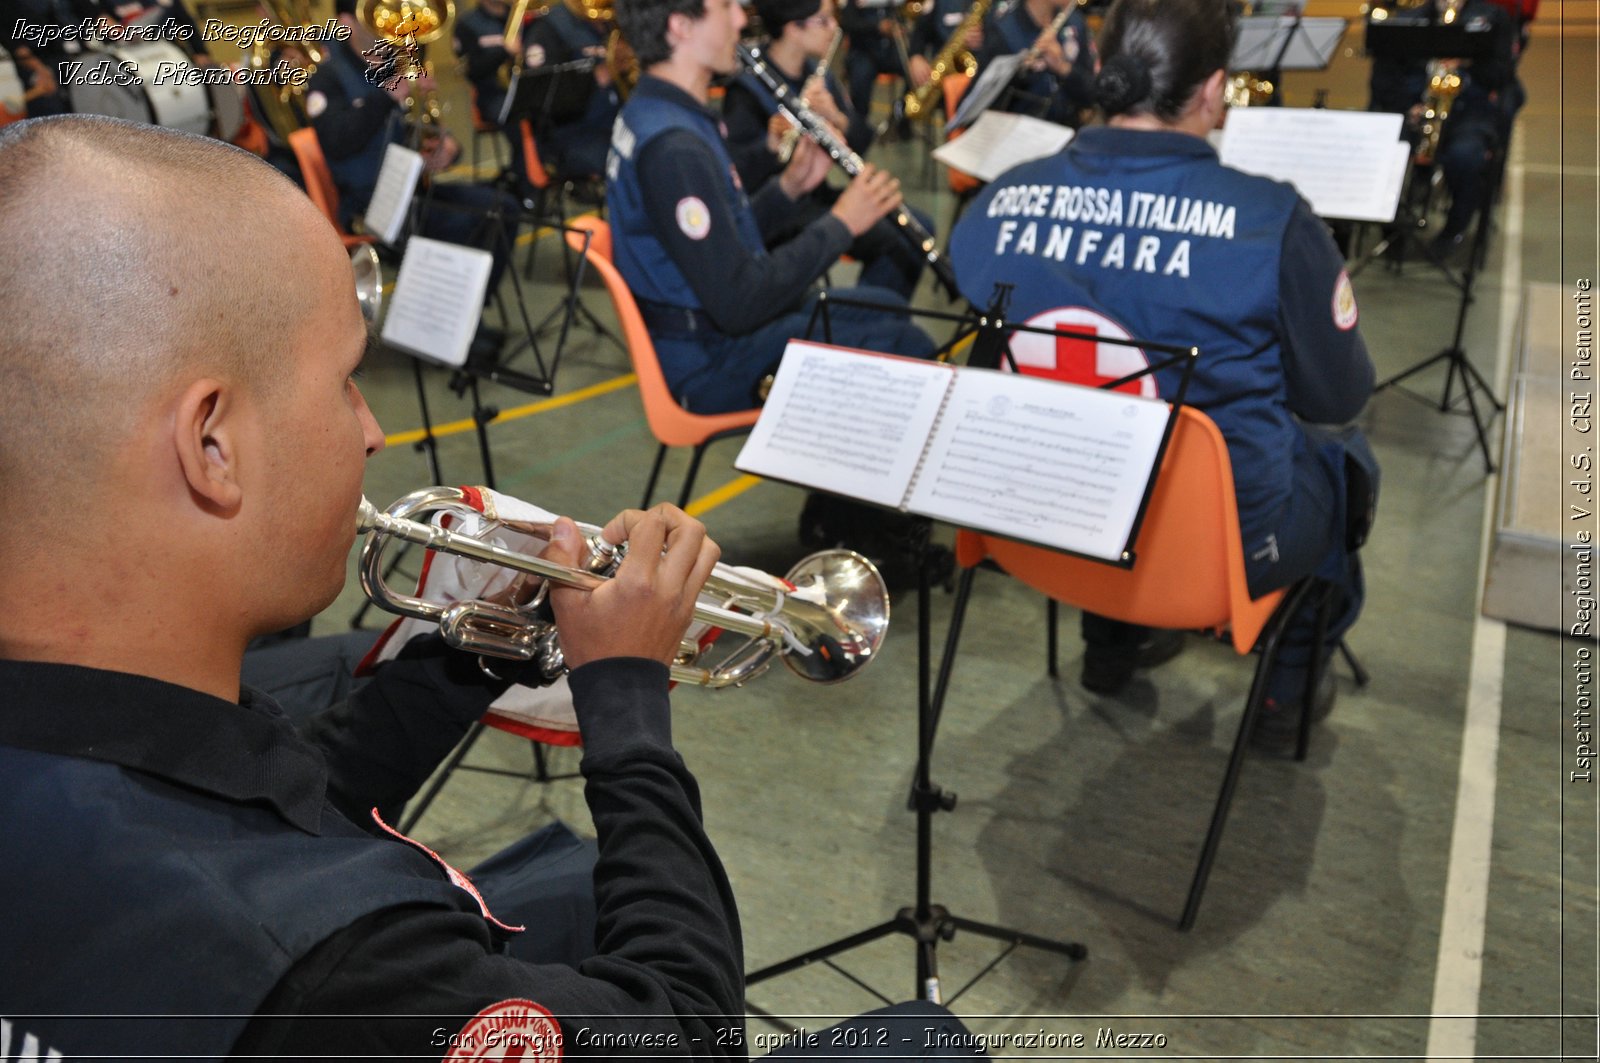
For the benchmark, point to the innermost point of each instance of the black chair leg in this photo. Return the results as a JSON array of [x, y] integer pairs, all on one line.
[[1360, 674], [655, 474], [1052, 609], [694, 470], [1319, 662], [1230, 778]]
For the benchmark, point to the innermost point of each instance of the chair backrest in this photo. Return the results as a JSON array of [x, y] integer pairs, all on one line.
[[315, 173], [1188, 567], [532, 166], [671, 424], [954, 86]]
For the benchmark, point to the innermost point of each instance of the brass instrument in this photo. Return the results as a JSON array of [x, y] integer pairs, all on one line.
[[1244, 89], [282, 103], [404, 25], [622, 62], [1444, 85], [368, 274], [516, 56], [827, 623], [953, 56]]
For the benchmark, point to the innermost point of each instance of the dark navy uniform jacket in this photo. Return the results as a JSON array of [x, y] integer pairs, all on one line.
[[480, 42], [565, 37], [935, 25], [1148, 235], [355, 120], [188, 877], [685, 233], [1041, 93]]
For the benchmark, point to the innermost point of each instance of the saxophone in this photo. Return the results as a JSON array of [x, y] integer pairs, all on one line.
[[954, 55], [1444, 85]]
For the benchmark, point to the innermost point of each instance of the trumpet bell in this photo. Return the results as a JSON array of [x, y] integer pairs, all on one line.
[[844, 630], [369, 281]]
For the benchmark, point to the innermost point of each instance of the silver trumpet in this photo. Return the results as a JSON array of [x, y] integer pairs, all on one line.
[[827, 628]]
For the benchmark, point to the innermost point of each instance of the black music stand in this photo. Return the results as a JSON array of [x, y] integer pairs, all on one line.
[[1419, 38], [925, 922], [544, 97]]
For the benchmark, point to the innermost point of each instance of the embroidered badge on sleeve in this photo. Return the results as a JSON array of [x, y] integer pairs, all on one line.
[[693, 217], [510, 1029], [1345, 312]]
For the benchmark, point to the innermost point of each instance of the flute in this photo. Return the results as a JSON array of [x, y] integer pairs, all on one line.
[[800, 113]]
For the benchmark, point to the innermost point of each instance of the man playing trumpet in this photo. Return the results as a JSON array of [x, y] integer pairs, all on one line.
[[237, 871]]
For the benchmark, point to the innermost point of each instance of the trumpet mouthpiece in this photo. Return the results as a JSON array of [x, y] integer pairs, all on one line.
[[366, 516]]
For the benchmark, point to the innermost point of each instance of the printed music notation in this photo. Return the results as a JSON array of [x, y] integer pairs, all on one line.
[[1347, 164], [437, 300], [857, 423], [1025, 457]]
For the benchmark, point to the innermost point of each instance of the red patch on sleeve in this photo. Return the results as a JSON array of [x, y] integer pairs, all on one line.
[[510, 1029]]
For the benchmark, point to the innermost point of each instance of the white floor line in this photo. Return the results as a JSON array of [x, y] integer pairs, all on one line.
[[1458, 971]]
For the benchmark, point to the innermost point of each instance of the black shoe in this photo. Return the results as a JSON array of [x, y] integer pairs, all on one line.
[[1109, 671], [1277, 726], [1447, 245]]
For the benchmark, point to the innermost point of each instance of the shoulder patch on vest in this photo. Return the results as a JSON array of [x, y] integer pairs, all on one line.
[[1345, 312], [316, 103], [510, 1029], [693, 217]]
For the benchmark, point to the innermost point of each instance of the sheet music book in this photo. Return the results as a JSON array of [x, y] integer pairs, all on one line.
[[1039, 460], [992, 81], [437, 300], [391, 197], [1261, 39], [1348, 164], [999, 140]]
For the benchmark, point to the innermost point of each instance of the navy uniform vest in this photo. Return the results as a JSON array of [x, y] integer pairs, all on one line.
[[193, 886], [356, 174], [1151, 231], [640, 256]]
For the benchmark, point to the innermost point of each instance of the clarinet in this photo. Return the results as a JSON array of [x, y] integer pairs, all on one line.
[[800, 113]]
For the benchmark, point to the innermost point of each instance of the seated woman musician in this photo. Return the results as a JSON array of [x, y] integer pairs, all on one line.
[[1148, 235], [803, 33]]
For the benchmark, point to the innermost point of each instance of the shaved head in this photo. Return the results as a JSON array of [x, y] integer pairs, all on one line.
[[136, 257]]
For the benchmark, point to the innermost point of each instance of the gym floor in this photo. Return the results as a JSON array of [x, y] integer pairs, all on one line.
[[1430, 856]]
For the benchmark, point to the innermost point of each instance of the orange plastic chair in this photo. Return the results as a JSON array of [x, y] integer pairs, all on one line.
[[670, 423], [1188, 574], [955, 86], [481, 128], [319, 181]]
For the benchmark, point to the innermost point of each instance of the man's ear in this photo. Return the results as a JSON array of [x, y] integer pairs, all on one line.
[[206, 438]]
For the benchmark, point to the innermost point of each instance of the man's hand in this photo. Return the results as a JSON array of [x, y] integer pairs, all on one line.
[[807, 167], [439, 152], [873, 194], [645, 609], [920, 70]]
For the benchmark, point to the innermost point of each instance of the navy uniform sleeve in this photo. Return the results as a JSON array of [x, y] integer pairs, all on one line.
[[667, 974], [745, 117], [739, 290], [481, 60], [1078, 86], [344, 126], [1327, 371], [383, 742]]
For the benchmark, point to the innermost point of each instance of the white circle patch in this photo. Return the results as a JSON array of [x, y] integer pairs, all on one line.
[[693, 217], [1345, 313], [1080, 358], [511, 1029]]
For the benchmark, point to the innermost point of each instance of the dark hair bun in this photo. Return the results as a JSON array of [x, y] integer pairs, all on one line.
[[1123, 83]]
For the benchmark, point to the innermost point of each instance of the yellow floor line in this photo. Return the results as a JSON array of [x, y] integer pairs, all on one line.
[[726, 493], [605, 387]]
